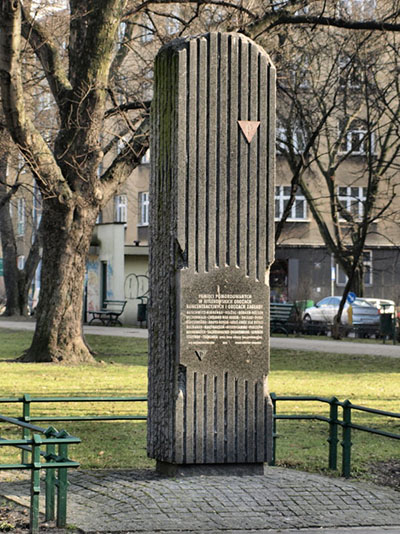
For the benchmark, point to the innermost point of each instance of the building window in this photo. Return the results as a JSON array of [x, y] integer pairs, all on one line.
[[146, 158], [298, 211], [143, 209], [293, 141], [361, 9], [36, 207], [355, 140], [301, 72], [352, 200], [148, 29], [121, 208], [350, 72], [173, 24], [21, 216], [341, 277]]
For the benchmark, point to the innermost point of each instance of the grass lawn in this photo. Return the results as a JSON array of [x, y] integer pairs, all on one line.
[[122, 371]]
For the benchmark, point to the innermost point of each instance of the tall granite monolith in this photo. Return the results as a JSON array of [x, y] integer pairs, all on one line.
[[211, 243]]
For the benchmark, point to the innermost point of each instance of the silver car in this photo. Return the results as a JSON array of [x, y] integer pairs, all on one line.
[[362, 312]]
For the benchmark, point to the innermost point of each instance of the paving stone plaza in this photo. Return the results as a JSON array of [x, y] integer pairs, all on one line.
[[280, 500]]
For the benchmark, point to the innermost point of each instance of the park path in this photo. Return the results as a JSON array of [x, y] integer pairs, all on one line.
[[291, 343]]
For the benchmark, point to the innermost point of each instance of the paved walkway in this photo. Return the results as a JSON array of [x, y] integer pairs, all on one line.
[[283, 500], [292, 343]]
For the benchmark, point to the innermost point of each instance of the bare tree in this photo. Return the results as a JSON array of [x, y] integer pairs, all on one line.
[[346, 159], [93, 98]]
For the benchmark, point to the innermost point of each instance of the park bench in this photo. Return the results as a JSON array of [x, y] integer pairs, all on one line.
[[280, 314], [108, 315]]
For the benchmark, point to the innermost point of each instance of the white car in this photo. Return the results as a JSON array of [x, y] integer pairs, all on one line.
[[363, 313], [383, 305]]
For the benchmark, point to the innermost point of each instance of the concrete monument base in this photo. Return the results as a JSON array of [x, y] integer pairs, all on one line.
[[180, 470]]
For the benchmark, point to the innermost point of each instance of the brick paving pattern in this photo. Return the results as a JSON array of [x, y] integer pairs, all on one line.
[[142, 501]]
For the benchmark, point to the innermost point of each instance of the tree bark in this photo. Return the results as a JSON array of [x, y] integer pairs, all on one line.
[[10, 268], [58, 335]]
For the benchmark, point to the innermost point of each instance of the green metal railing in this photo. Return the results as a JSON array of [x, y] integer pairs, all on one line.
[[53, 447], [334, 423], [29, 445]]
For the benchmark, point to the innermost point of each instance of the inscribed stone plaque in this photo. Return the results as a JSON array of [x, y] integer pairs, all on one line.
[[212, 198]]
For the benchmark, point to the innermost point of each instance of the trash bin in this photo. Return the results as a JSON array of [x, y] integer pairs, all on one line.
[[386, 324], [142, 312]]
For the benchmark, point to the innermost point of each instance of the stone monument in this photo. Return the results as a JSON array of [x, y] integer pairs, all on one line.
[[211, 245]]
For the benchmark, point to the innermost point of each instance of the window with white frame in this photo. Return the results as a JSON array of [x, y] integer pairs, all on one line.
[[301, 72], [146, 158], [143, 208], [341, 277], [355, 139], [173, 24], [361, 9], [20, 216], [350, 72], [148, 29], [121, 208], [36, 207], [352, 199], [294, 140], [298, 211]]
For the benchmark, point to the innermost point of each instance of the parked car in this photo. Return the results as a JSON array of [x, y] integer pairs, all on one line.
[[363, 313], [383, 305]]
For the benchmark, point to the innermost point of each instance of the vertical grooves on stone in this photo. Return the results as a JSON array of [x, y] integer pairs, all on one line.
[[231, 417], [246, 421], [219, 177], [210, 118], [226, 398], [248, 165], [252, 168], [258, 199], [236, 412], [215, 429], [184, 430], [195, 434], [191, 156], [255, 422], [271, 160], [205, 419], [202, 149], [189, 430], [232, 187]]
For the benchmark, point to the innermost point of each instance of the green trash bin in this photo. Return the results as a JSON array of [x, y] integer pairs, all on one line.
[[386, 325]]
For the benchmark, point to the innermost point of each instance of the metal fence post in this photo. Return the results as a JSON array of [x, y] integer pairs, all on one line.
[[333, 432], [50, 476], [274, 435], [346, 444], [62, 483], [35, 484], [50, 484], [26, 417]]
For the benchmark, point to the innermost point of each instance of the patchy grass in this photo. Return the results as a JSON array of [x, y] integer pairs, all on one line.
[[121, 370]]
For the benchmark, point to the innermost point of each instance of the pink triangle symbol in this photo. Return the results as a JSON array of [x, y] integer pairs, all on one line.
[[249, 128]]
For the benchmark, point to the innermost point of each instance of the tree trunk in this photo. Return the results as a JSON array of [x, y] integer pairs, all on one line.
[[10, 269], [59, 335]]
